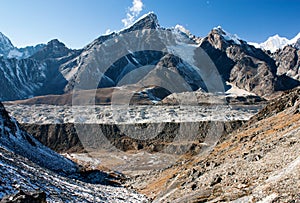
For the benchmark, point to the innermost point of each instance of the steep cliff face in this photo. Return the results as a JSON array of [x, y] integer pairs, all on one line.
[[5, 45], [37, 75], [64, 138], [288, 62], [21, 78], [243, 65]]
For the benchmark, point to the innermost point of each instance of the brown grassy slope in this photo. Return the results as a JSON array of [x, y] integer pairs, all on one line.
[[261, 160]]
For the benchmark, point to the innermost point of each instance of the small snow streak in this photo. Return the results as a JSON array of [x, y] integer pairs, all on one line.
[[133, 12]]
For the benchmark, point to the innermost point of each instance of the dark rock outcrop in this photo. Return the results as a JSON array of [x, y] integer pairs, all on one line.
[[245, 66], [288, 62], [64, 137], [25, 197], [297, 44]]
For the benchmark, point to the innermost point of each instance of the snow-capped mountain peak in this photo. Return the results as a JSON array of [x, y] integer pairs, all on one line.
[[8, 50], [182, 29], [227, 36], [273, 43], [151, 15], [295, 39], [276, 42], [146, 21], [5, 45]]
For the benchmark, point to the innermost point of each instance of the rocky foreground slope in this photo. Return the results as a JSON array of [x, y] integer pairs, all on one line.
[[27, 165], [260, 162]]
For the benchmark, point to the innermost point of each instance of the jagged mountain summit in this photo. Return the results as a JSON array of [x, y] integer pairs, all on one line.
[[37, 75], [277, 42], [8, 50], [5, 45], [146, 54]]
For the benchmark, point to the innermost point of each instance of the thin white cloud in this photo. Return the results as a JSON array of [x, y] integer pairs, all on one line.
[[133, 12]]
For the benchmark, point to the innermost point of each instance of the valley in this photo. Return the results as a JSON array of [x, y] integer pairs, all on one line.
[[151, 114]]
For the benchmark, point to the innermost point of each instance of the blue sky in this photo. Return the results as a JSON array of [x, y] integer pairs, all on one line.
[[78, 22]]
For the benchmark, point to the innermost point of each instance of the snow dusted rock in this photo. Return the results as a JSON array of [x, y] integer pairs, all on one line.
[[243, 65], [297, 44], [37, 75], [20, 78], [25, 164], [5, 45], [16, 140], [288, 62], [26, 52], [19, 173], [8, 50]]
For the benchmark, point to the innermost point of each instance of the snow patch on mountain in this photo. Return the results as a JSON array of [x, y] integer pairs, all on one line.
[[15, 140], [15, 54], [228, 36], [5, 45], [295, 39], [8, 50], [25, 164], [182, 29]]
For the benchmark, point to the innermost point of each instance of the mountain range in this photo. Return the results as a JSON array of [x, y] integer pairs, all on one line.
[[8, 50], [276, 42], [146, 54], [237, 159]]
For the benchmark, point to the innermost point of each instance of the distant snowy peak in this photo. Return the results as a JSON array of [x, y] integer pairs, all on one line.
[[295, 39], [273, 43], [147, 21], [8, 50], [5, 45], [276, 42], [182, 29], [150, 17], [22, 53], [226, 35]]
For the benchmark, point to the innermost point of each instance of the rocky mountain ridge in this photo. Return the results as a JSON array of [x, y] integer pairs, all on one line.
[[158, 57], [275, 43], [8, 50]]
